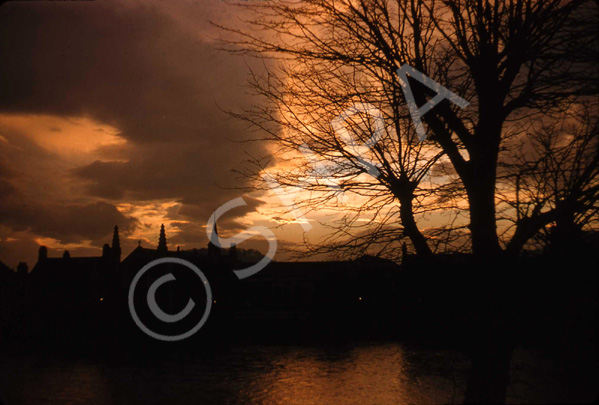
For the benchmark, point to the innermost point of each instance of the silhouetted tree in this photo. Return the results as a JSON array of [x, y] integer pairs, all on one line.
[[517, 62], [522, 65], [555, 181]]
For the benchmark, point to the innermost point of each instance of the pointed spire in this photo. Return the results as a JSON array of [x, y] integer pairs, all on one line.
[[214, 235], [214, 243], [116, 244], [162, 247]]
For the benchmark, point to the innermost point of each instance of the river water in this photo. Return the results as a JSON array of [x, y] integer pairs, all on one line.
[[365, 373]]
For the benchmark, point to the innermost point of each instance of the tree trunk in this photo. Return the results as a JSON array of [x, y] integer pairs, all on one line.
[[403, 189], [483, 225], [411, 229], [494, 334], [489, 377], [480, 186]]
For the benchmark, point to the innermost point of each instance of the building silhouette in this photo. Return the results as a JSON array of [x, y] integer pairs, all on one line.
[[70, 298]]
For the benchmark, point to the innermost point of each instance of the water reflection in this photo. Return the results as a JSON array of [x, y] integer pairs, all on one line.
[[374, 373]]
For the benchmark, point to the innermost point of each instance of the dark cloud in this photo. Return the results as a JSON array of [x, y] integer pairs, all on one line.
[[190, 210], [6, 175], [69, 223], [141, 70]]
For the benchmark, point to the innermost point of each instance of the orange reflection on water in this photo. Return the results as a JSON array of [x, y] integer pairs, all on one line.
[[381, 373], [370, 374]]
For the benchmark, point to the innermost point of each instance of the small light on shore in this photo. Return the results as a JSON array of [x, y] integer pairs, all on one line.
[[214, 302], [101, 299], [360, 298]]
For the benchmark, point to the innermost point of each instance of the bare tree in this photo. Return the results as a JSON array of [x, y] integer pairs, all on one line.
[[515, 61], [555, 179], [305, 100], [520, 63]]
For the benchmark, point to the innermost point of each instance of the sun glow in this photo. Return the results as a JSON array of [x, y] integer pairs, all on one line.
[[78, 138]]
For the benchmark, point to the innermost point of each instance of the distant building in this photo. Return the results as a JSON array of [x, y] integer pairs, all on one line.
[[72, 293], [207, 259], [87, 296], [94, 274], [5, 271], [12, 292]]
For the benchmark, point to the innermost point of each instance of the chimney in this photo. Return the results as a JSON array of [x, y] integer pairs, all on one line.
[[106, 251], [42, 254], [22, 268]]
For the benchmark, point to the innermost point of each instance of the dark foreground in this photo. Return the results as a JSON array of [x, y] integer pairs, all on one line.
[[349, 373], [448, 331]]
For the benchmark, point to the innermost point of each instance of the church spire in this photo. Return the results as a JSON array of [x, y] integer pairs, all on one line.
[[116, 244], [162, 247], [214, 243]]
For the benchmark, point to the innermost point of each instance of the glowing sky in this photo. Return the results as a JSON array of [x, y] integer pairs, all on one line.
[[109, 114]]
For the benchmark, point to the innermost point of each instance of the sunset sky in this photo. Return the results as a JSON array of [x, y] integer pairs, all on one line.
[[109, 114]]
